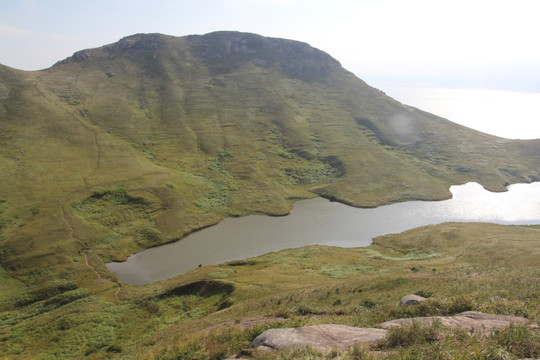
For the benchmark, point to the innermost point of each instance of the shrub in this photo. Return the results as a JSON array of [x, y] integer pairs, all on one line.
[[38, 273], [320, 174], [358, 352], [426, 294], [521, 341], [217, 196], [369, 304], [224, 154], [432, 307], [110, 237], [460, 304], [76, 205], [119, 196], [46, 291], [151, 307], [216, 165], [149, 154], [99, 193], [66, 298], [413, 334], [150, 234], [304, 310]]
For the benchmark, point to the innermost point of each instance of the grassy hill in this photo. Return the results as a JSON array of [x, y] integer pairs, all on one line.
[[215, 311], [140, 142]]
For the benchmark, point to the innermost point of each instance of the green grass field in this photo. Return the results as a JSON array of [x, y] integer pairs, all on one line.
[[141, 142], [459, 267]]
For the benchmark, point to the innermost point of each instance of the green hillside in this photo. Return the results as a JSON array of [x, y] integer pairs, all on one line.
[[140, 142]]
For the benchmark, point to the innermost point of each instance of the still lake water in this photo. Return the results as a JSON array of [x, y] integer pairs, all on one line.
[[319, 221]]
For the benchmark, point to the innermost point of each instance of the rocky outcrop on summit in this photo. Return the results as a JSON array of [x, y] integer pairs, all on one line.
[[76, 57], [140, 41], [223, 51], [128, 47]]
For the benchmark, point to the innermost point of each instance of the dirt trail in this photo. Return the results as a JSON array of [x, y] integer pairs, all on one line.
[[94, 135], [85, 252], [70, 228]]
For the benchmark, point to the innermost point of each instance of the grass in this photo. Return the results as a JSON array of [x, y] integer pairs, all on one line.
[[94, 168], [292, 284], [303, 286]]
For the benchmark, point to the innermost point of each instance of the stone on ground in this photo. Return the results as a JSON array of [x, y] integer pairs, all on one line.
[[469, 320], [320, 337], [411, 300]]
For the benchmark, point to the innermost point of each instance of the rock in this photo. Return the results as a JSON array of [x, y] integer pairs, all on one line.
[[411, 300], [326, 337], [298, 60], [469, 320], [320, 337]]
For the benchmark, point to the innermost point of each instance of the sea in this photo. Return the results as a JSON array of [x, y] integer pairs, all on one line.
[[508, 114]]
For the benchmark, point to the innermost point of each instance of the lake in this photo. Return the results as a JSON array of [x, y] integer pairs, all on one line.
[[319, 221]]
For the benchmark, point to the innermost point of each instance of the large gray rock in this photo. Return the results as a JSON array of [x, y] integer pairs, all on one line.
[[326, 337], [469, 320], [320, 337], [411, 300]]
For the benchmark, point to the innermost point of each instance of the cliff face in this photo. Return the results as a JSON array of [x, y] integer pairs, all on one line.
[[297, 60]]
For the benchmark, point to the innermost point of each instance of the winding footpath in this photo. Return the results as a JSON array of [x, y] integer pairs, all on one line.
[[85, 251], [69, 226]]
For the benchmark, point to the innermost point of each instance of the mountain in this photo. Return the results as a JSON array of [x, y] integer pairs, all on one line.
[[140, 142]]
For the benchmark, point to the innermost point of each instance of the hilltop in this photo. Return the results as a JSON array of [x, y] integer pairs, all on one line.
[[140, 142]]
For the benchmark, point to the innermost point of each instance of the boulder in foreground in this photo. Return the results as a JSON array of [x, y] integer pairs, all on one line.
[[327, 336], [468, 320], [321, 337]]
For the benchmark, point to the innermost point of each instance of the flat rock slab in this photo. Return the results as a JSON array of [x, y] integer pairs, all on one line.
[[320, 337], [326, 337], [469, 320]]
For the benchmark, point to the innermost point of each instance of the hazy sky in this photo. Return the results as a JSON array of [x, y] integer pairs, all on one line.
[[463, 43], [428, 43]]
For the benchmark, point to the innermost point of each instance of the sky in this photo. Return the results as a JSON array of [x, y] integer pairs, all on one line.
[[390, 44]]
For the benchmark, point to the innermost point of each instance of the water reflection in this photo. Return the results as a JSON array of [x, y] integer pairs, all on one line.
[[319, 221]]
